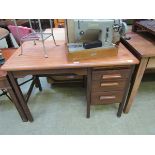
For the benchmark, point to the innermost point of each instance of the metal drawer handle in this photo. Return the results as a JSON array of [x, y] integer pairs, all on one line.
[[109, 84], [107, 97], [111, 76]]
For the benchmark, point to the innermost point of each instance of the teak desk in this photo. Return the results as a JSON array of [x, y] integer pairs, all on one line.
[[142, 45], [108, 78]]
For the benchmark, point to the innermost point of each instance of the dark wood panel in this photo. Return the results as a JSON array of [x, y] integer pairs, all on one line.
[[76, 71], [106, 97], [111, 74], [108, 85]]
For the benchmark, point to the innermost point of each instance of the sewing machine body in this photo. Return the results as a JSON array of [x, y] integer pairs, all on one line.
[[101, 28], [89, 35]]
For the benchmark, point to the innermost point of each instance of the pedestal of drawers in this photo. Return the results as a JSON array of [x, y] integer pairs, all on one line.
[[110, 85]]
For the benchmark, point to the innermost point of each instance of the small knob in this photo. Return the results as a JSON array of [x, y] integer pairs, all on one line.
[[81, 32]]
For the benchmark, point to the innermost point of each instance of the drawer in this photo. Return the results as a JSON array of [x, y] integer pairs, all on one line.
[[151, 63], [4, 83], [108, 85], [105, 75], [106, 97]]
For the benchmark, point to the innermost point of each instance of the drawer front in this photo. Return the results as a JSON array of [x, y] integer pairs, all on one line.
[[106, 97], [4, 84], [108, 85], [110, 74]]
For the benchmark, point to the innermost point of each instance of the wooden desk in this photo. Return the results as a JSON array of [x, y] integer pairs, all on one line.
[[142, 45], [4, 84], [112, 70]]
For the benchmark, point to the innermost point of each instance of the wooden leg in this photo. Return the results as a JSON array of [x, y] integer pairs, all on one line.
[[121, 105], [134, 87], [18, 106], [30, 90], [18, 91], [89, 76], [38, 84]]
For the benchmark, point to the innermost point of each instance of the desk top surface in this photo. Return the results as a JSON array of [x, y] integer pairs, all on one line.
[[33, 58], [143, 43]]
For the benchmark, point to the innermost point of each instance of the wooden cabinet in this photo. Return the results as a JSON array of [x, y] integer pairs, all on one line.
[[109, 85]]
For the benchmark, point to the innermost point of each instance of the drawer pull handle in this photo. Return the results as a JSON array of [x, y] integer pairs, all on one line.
[[109, 84], [107, 97], [111, 76]]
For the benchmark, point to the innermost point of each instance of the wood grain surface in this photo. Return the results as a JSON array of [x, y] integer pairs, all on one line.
[[143, 43], [33, 58]]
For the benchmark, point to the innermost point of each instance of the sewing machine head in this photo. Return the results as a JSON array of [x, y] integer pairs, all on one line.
[[89, 39], [95, 33]]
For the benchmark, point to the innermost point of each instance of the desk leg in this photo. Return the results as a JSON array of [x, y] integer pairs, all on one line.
[[89, 77], [136, 83], [18, 91], [17, 105], [122, 104]]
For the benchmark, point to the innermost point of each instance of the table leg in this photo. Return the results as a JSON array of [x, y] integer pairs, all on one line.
[[89, 76], [17, 105], [136, 83], [30, 90], [18, 91], [122, 104]]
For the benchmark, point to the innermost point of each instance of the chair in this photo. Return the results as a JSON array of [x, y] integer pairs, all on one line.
[[22, 32]]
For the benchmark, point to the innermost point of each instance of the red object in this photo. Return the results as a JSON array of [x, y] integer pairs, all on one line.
[[23, 31]]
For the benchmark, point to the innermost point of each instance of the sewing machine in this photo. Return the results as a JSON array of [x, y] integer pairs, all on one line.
[[93, 38]]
